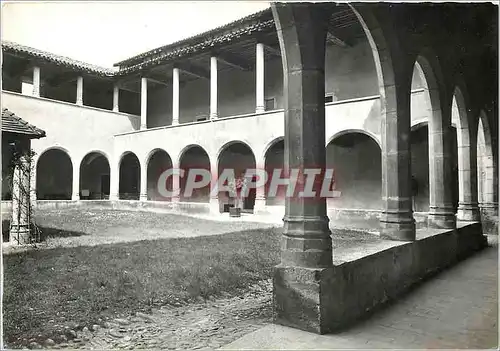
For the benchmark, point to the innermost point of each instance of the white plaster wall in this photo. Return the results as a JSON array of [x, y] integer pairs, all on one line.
[[77, 129]]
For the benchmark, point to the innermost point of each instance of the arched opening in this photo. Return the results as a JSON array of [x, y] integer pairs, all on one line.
[[356, 160], [54, 176], [426, 110], [130, 177], [420, 167], [159, 162], [274, 160], [237, 157], [195, 157], [94, 177], [485, 163]]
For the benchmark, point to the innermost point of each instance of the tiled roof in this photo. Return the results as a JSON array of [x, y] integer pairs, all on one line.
[[14, 124], [257, 22], [8, 46]]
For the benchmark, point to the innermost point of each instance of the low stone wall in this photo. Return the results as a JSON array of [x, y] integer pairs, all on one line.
[[326, 300]]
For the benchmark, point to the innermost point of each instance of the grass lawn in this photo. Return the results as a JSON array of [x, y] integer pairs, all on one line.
[[104, 264], [48, 289]]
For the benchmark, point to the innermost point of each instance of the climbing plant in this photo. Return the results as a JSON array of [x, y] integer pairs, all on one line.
[[20, 168]]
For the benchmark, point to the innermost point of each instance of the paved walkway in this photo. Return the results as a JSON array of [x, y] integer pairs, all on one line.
[[456, 309]]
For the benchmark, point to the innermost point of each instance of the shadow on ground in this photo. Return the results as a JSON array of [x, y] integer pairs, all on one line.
[[45, 232]]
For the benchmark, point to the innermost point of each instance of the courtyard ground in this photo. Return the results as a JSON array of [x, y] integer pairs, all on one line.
[[120, 279]]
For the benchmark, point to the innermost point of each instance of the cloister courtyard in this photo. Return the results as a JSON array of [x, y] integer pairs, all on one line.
[[372, 221]]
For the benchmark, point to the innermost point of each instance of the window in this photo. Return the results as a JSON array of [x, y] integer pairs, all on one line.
[[270, 104], [26, 88], [330, 97]]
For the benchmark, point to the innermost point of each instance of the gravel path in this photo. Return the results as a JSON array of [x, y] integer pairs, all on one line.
[[204, 325]]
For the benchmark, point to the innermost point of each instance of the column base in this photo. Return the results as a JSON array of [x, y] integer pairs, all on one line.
[[214, 116], [306, 242], [297, 296], [468, 212], [259, 206], [441, 218], [143, 197], [398, 226], [260, 109], [114, 197], [175, 122], [75, 197], [116, 109], [20, 234], [489, 218], [144, 127], [214, 206]]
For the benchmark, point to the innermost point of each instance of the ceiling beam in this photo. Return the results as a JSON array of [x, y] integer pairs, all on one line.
[[270, 46], [193, 70], [62, 78], [233, 60], [333, 39], [157, 80], [20, 68]]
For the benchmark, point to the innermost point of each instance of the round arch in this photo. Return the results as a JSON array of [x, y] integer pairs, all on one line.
[[274, 160], [486, 171], [193, 157], [229, 144], [54, 174], [270, 145], [94, 176], [356, 160], [238, 157], [353, 131], [130, 176], [157, 161]]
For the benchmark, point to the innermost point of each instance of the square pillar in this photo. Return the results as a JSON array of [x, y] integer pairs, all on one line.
[[114, 180], [213, 88], [175, 96], [36, 81], [116, 98], [76, 181], [144, 103], [259, 78], [79, 91], [143, 187], [20, 226]]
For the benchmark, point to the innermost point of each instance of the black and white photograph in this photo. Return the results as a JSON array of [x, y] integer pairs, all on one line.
[[249, 175]]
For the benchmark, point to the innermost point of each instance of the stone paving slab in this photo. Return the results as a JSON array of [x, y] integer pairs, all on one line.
[[456, 309]]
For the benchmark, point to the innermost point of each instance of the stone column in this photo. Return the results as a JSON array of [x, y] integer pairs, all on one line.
[[259, 75], [468, 207], [175, 96], [21, 208], [213, 88], [144, 103], [116, 98], [441, 208], [306, 236], [36, 81], [79, 91], [76, 181], [306, 248], [396, 220], [143, 187]]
